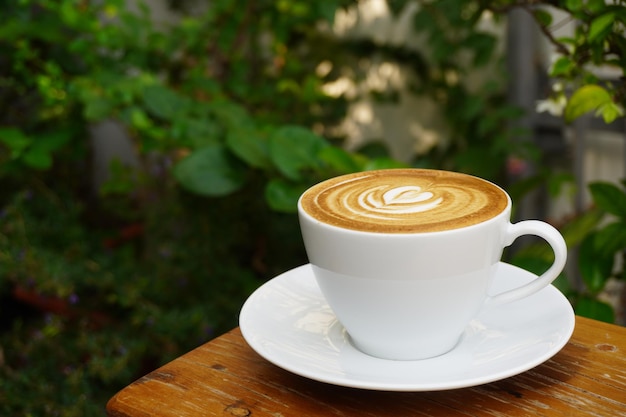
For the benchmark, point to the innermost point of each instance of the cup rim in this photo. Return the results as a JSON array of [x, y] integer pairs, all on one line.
[[505, 212]]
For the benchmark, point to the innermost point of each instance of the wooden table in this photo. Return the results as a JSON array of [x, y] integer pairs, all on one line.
[[225, 377]]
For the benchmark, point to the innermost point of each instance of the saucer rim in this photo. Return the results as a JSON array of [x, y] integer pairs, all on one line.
[[564, 308]]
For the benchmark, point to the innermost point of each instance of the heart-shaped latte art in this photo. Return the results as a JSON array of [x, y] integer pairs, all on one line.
[[406, 195], [404, 199]]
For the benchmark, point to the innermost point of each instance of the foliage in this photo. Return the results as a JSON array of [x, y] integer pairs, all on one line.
[[597, 257], [481, 138], [454, 46], [101, 286], [597, 43], [481, 143], [599, 234]]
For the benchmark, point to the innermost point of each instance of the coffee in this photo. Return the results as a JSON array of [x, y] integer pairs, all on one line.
[[404, 201], [405, 295]]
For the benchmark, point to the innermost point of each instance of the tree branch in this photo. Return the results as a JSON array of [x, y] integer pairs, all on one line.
[[527, 6]]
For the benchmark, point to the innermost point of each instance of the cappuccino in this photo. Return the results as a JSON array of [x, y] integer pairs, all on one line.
[[404, 201], [406, 257]]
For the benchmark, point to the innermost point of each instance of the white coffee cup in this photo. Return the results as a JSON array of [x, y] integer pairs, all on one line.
[[404, 284]]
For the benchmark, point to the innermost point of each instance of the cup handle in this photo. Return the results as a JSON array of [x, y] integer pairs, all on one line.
[[554, 239]]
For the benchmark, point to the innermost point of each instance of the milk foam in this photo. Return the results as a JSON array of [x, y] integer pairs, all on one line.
[[404, 200], [399, 200]]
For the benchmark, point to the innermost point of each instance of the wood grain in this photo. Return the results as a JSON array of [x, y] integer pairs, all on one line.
[[225, 377]]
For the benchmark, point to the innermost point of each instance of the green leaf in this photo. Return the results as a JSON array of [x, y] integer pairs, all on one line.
[[609, 197], [483, 45], [600, 26], [294, 149], [15, 140], [120, 180], [162, 102], [424, 21], [288, 86], [473, 106], [611, 239], [595, 265], [596, 6], [139, 119], [69, 13], [328, 10], [198, 131], [585, 99], [283, 196], [479, 161], [250, 146], [555, 182], [373, 149], [37, 159], [519, 189], [595, 309], [383, 163], [562, 67], [53, 140], [610, 112], [340, 160], [543, 17], [210, 171], [574, 5], [97, 108], [231, 114], [577, 230]]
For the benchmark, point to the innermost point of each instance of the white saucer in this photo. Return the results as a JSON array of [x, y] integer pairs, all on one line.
[[288, 322]]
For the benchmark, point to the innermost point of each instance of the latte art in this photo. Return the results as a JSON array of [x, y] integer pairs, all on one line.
[[400, 200], [404, 201]]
